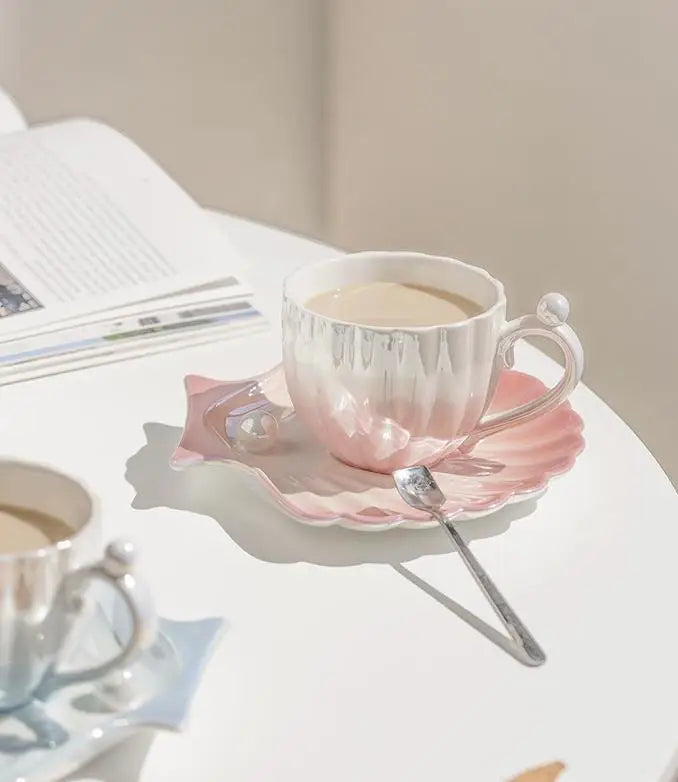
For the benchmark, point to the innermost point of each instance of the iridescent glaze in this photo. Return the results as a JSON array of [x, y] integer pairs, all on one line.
[[384, 398], [223, 424], [42, 590]]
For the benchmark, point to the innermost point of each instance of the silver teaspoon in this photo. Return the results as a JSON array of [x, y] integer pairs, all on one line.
[[419, 489]]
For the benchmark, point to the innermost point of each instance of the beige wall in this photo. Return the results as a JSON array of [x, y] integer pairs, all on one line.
[[537, 139], [224, 93]]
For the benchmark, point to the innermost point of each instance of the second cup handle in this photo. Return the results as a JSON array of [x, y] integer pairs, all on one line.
[[550, 322], [117, 568]]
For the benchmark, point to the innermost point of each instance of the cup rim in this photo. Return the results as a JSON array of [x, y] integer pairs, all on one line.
[[490, 312], [71, 540]]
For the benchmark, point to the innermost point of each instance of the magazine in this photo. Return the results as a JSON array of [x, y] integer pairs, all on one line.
[[103, 256]]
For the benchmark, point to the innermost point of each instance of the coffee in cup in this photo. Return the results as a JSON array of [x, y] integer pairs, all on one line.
[[23, 529], [393, 305]]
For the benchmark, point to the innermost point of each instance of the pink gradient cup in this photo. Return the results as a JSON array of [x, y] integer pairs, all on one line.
[[382, 398]]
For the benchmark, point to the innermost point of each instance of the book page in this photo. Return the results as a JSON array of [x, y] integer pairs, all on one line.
[[89, 223], [110, 353], [173, 324]]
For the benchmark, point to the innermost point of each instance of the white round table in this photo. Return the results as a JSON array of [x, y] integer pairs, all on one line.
[[354, 656]]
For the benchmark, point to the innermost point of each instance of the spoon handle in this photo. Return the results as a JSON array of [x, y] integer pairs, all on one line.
[[534, 655]]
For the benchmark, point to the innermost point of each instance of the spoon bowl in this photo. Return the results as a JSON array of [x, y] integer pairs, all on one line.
[[418, 487]]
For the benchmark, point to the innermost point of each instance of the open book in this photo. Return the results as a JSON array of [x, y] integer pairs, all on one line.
[[103, 256]]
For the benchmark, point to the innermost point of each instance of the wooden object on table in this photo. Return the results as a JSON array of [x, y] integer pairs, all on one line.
[[548, 773]]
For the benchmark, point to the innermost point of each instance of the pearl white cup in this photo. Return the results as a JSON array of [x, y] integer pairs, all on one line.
[[382, 398], [41, 590]]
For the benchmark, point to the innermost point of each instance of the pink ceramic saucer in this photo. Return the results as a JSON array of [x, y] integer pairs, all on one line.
[[251, 424]]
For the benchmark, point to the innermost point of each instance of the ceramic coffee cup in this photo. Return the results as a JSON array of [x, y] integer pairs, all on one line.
[[382, 398], [41, 590]]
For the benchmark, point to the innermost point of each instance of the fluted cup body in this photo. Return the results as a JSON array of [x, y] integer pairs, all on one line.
[[382, 398]]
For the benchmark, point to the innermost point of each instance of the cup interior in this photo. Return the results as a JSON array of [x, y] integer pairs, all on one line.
[[37, 488], [446, 274]]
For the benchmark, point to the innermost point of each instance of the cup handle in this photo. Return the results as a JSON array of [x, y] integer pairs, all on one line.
[[117, 568], [550, 322]]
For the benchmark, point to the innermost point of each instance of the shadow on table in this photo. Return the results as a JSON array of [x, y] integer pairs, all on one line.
[[236, 501]]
